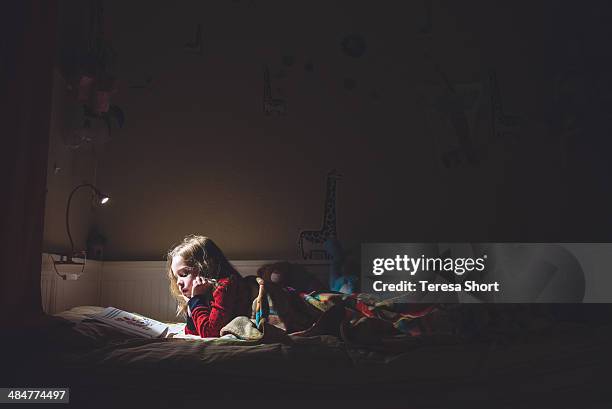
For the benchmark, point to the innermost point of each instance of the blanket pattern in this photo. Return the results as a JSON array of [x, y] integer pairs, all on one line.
[[355, 318]]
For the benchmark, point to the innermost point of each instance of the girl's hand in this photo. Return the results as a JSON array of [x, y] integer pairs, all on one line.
[[200, 286]]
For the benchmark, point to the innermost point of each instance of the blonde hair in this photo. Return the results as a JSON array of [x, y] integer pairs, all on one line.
[[201, 253]]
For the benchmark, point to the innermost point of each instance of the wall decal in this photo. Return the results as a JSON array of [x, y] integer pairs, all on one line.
[[311, 242], [272, 105], [197, 45], [361, 91], [355, 85], [352, 45]]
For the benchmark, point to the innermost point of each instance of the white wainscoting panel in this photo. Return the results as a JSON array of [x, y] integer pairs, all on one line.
[[59, 294], [136, 286]]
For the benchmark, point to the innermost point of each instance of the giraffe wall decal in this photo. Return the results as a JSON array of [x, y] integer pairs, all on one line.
[[311, 242]]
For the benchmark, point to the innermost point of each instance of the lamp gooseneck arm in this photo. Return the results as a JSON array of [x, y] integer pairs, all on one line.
[[68, 213]]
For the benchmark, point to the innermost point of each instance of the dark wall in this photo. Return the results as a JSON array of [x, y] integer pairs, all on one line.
[[71, 160], [198, 155]]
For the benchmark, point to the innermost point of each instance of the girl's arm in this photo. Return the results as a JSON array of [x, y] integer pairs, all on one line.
[[211, 312]]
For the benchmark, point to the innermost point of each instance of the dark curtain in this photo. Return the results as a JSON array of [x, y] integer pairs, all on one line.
[[28, 39]]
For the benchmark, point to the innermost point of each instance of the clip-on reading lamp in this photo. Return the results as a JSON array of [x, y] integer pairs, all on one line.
[[101, 199]]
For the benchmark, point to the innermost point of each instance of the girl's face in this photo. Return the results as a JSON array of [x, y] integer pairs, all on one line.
[[184, 275]]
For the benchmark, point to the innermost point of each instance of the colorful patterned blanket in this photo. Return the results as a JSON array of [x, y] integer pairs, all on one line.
[[355, 318]]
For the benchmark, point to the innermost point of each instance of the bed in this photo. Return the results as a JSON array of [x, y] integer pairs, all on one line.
[[524, 360], [559, 363]]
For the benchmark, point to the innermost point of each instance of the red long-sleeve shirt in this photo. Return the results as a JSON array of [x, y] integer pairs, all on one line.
[[209, 312]]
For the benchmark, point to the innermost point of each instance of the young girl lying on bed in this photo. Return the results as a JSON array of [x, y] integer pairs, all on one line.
[[209, 291]]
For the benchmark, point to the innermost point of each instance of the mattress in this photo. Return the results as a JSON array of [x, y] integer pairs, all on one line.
[[565, 366]]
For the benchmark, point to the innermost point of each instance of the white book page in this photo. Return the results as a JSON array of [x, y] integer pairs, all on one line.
[[132, 323]]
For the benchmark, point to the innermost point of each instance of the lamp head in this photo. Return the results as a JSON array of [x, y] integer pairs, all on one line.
[[101, 198]]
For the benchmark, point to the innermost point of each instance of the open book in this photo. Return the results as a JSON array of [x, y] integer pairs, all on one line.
[[133, 324]]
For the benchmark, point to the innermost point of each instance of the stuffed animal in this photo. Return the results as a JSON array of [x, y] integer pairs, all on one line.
[[286, 274], [262, 309], [343, 272]]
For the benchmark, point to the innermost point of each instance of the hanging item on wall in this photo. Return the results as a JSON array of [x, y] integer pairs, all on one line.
[[89, 77], [87, 127], [94, 94], [272, 105], [197, 45], [311, 243]]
